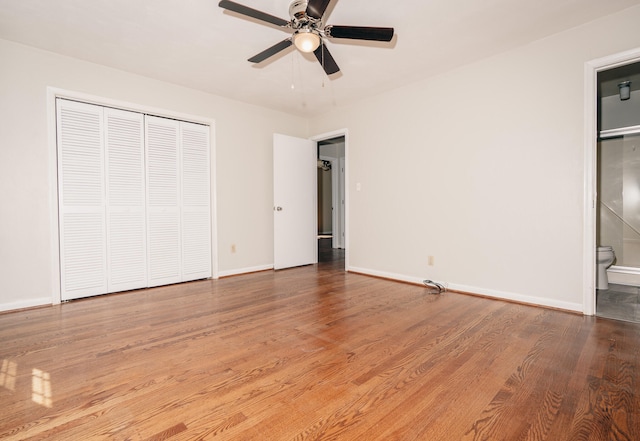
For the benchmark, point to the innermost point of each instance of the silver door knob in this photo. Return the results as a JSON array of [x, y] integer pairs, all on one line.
[[278, 208]]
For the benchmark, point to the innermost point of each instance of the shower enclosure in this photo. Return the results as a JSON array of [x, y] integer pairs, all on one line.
[[618, 208]]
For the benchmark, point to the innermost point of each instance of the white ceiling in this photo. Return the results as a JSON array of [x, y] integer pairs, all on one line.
[[196, 44]]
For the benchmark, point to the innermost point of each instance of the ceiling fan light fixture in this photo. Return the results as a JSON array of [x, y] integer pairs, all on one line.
[[306, 40]]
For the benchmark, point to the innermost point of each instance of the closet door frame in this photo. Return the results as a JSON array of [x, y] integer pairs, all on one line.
[[52, 94]]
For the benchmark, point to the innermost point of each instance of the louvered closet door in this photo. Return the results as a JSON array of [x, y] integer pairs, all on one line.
[[163, 204], [125, 181], [81, 199], [196, 213]]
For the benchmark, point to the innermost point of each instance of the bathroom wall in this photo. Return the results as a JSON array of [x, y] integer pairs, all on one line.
[[617, 113]]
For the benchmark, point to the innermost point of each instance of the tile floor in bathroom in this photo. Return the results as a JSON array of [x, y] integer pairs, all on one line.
[[619, 302]]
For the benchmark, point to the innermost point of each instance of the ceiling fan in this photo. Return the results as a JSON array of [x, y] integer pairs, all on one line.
[[309, 31]]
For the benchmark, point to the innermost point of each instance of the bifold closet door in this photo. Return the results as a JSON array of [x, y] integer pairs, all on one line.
[[125, 184], [178, 204], [196, 201], [163, 201], [81, 199], [134, 200], [101, 199]]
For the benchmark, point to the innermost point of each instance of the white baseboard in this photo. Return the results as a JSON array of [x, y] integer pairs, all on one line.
[[42, 301], [519, 298], [238, 271], [501, 295], [385, 275], [623, 276]]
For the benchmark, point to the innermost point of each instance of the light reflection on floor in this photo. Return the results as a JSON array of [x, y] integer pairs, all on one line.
[[8, 373], [619, 302], [41, 388]]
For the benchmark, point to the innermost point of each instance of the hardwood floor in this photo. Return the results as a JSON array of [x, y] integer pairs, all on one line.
[[314, 353]]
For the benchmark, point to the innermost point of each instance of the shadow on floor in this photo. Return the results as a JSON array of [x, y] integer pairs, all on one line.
[[328, 255]]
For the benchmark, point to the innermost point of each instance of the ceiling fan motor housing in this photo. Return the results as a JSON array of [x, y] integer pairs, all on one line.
[[298, 9]]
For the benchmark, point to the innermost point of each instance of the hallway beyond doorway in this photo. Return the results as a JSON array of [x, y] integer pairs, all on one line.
[[330, 257]]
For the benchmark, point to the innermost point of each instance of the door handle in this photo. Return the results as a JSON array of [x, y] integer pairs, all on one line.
[[277, 208]]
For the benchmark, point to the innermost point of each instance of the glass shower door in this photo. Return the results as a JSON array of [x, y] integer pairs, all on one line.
[[618, 208]]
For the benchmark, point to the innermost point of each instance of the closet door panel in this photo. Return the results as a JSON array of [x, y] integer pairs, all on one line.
[[196, 197], [81, 199], [163, 201], [126, 220]]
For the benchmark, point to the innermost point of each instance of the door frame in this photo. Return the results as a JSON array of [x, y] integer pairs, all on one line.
[[334, 191], [330, 135], [52, 94], [337, 214], [590, 166]]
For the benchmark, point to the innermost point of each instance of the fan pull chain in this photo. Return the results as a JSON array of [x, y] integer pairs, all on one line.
[[293, 73], [322, 47]]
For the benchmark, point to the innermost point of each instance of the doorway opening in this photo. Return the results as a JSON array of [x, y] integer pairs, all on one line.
[[617, 204], [331, 199]]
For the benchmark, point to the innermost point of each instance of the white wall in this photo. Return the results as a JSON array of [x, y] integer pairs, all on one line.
[[483, 169], [242, 169]]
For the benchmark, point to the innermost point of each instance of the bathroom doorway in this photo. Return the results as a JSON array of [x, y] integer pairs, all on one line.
[[617, 208]]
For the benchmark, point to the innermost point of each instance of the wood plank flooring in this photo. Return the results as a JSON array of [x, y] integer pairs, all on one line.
[[314, 353]]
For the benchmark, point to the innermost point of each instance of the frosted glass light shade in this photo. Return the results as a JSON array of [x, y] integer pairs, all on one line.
[[306, 41], [625, 90]]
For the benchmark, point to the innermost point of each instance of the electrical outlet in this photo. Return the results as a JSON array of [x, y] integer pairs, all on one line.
[[233, 248], [431, 260]]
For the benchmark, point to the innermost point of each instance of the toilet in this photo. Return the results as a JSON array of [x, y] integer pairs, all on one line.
[[604, 258]]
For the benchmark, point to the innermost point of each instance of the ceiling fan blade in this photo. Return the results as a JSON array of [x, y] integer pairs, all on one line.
[[326, 60], [359, 33], [271, 51], [316, 8], [254, 13]]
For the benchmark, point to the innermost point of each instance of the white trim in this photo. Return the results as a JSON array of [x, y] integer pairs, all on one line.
[[52, 94], [335, 199], [624, 269], [589, 200], [126, 105], [214, 199], [54, 231], [474, 290], [519, 298], [613, 133], [336, 134], [590, 164], [12, 306], [386, 275], [239, 271], [623, 275]]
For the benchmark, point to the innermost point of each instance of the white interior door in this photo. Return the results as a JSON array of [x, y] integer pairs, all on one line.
[[294, 197]]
